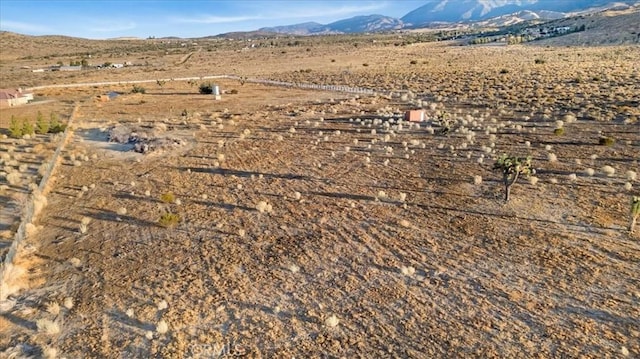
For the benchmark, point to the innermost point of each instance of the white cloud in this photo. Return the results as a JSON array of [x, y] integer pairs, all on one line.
[[9, 25]]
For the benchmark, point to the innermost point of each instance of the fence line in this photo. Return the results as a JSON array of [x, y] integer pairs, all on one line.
[[311, 86], [29, 211]]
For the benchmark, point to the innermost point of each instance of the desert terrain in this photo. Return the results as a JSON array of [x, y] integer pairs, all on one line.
[[284, 222]]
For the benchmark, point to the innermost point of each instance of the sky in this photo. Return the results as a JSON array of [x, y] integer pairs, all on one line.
[[188, 18]]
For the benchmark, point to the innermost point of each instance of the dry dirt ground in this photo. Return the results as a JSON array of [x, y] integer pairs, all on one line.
[[312, 224]]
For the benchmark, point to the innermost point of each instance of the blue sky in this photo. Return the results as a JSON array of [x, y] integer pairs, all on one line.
[[108, 19]]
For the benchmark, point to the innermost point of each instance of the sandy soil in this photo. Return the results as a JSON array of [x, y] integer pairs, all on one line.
[[381, 247]]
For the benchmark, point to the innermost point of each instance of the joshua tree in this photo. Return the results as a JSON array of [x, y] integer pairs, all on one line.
[[512, 167], [635, 212]]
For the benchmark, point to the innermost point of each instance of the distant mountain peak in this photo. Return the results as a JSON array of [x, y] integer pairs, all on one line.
[[473, 10], [487, 12], [362, 23], [305, 28], [366, 23]]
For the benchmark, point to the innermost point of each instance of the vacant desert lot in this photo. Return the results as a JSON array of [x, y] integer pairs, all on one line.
[[316, 224]]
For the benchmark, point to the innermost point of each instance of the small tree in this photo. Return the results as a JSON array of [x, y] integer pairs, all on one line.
[[635, 212], [15, 128], [27, 128], [53, 119], [42, 126], [160, 83], [54, 125], [512, 167]]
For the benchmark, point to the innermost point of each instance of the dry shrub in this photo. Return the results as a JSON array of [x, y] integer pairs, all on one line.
[[168, 197], [48, 326], [169, 220]]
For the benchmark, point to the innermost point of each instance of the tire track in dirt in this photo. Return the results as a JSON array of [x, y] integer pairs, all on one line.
[[186, 57]]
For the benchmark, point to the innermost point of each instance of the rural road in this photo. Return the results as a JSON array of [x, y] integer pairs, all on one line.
[[107, 83]]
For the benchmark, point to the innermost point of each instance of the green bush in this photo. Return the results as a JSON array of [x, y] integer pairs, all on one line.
[[15, 128], [168, 197], [206, 89], [169, 220], [54, 125], [42, 126], [27, 128], [606, 141], [558, 131], [57, 128], [138, 89], [539, 61], [53, 119]]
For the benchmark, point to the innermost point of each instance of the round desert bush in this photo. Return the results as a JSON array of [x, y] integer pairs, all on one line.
[[332, 321], [608, 170], [569, 118], [263, 207], [206, 89], [168, 197], [138, 89], [169, 220], [14, 178], [162, 327]]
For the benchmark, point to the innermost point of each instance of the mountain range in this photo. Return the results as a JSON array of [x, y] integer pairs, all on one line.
[[441, 12]]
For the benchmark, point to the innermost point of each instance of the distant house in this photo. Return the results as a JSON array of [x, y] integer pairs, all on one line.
[[14, 97]]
